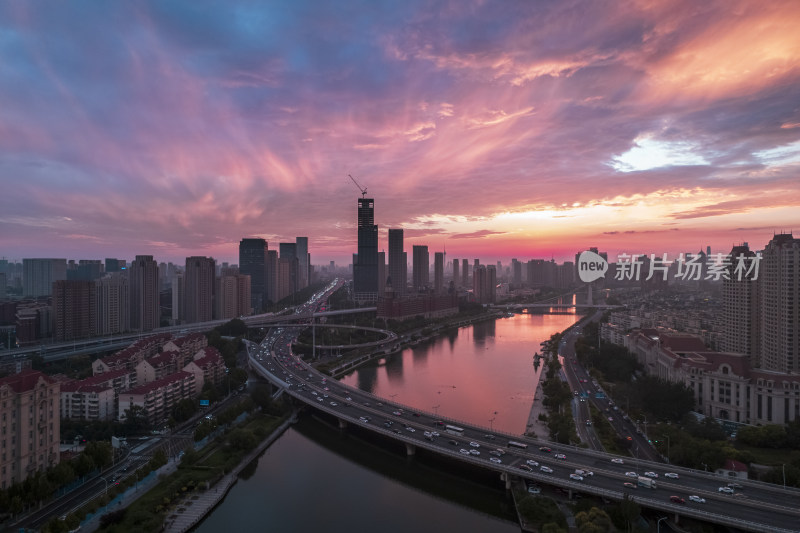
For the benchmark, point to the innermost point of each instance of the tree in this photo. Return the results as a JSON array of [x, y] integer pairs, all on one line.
[[630, 511], [135, 420], [594, 521]]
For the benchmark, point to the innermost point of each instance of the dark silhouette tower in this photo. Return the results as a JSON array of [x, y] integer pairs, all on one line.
[[365, 269]]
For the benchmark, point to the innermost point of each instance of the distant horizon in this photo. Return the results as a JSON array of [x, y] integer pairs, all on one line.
[[526, 129]]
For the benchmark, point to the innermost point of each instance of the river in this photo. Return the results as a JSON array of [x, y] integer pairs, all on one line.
[[316, 478]]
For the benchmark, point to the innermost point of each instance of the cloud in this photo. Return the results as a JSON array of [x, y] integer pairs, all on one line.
[[475, 234]]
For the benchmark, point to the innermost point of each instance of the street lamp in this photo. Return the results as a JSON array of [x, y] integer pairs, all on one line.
[[658, 523], [783, 469], [491, 427], [436, 410]]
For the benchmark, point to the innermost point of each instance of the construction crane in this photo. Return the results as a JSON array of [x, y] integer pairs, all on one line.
[[360, 188]]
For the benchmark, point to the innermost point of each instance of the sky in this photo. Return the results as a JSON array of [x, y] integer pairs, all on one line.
[[526, 129]]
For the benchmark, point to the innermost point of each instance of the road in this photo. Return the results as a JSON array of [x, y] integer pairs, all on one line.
[[755, 507]]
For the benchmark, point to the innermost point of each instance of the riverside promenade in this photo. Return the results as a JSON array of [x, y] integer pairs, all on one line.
[[194, 507]]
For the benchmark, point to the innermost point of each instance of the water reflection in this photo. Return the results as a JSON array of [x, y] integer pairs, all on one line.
[[471, 373]]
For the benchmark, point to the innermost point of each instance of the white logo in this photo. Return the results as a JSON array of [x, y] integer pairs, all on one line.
[[591, 266]]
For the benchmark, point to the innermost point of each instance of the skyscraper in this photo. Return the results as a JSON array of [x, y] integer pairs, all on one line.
[[740, 308], [464, 273], [438, 272], [143, 282], [253, 263], [381, 272], [484, 281], [365, 271], [456, 275], [779, 292], [38, 276], [113, 304], [199, 288], [288, 251], [397, 265], [272, 276], [421, 267], [303, 269], [74, 309]]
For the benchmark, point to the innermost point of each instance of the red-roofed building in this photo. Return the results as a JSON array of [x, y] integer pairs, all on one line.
[[733, 469], [208, 366], [132, 355], [158, 397], [80, 401], [187, 346], [29, 411], [158, 366]]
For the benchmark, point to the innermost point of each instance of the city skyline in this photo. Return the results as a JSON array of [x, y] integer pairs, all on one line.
[[531, 131]]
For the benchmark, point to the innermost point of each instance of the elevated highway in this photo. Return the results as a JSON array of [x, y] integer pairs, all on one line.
[[756, 507]]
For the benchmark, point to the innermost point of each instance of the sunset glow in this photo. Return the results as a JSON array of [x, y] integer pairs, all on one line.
[[527, 129]]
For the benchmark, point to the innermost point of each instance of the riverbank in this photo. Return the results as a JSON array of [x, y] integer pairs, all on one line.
[[192, 509]]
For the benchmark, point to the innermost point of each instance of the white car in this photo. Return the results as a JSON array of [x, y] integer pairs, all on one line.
[[576, 477], [671, 475], [618, 461], [726, 490], [651, 474], [695, 498], [474, 452], [463, 451], [546, 469], [631, 474], [495, 460], [532, 462], [560, 456], [474, 444]]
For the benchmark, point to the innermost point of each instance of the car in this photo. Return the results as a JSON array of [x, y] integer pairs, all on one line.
[[474, 444], [532, 462], [559, 456], [525, 468], [334, 404], [651, 474], [324, 395], [629, 437], [438, 423], [326, 388], [726, 490], [396, 413], [396, 430], [533, 489], [735, 485], [676, 499], [495, 460], [583, 399], [696, 498], [490, 437], [495, 453], [462, 451], [417, 414], [313, 392], [320, 399], [435, 433], [453, 442], [631, 474], [546, 469], [473, 451], [363, 419], [671, 475], [410, 429], [545, 449], [610, 418], [349, 399], [588, 422], [629, 485], [576, 477], [618, 461]]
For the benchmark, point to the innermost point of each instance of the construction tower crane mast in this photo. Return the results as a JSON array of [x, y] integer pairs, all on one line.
[[360, 188]]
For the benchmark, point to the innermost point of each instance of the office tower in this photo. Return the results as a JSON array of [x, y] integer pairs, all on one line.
[[245, 307], [198, 286], [332, 266], [381, 272], [438, 272], [456, 275], [283, 279], [227, 298], [484, 281], [271, 276], [397, 263], [464, 273], [74, 309], [89, 269], [38, 276], [288, 251], [113, 304], [365, 271], [253, 263], [30, 411], [740, 309], [144, 297], [113, 265], [779, 292], [421, 267], [178, 298], [301, 244], [516, 272]]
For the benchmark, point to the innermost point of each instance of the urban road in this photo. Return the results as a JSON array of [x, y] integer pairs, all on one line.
[[755, 507]]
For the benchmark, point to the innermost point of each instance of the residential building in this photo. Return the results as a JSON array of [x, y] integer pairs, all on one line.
[[113, 304], [145, 312], [74, 309], [438, 272], [253, 262], [199, 289], [157, 398], [29, 420], [38, 276], [779, 293]]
